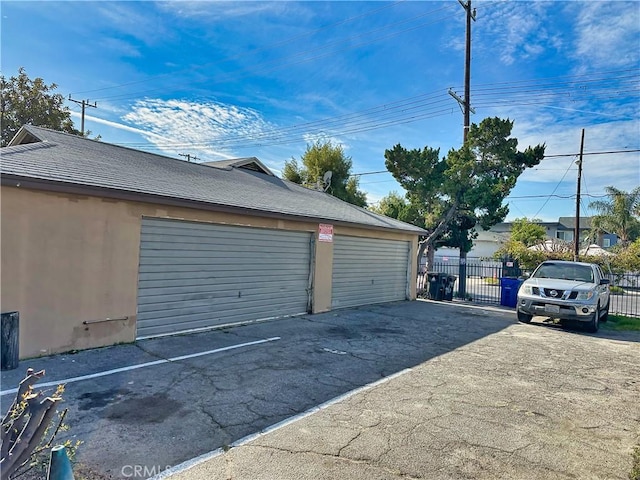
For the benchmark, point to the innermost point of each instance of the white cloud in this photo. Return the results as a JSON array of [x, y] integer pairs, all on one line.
[[134, 22], [209, 128], [120, 126], [119, 47], [621, 170], [222, 10], [606, 33], [515, 32]]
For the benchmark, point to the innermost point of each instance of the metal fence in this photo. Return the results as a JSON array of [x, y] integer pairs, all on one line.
[[483, 285], [625, 294]]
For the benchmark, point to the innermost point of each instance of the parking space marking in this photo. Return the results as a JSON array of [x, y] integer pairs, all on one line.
[[144, 365], [184, 466]]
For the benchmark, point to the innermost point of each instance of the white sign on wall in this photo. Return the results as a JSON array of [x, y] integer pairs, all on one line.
[[325, 232]]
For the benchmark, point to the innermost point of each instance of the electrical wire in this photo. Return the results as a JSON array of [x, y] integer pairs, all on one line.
[[399, 112], [554, 190]]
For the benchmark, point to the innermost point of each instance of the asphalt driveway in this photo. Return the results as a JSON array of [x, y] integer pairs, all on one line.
[[472, 394]]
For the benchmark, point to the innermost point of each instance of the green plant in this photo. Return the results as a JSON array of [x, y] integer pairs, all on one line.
[[635, 468], [622, 323], [615, 290], [492, 281]]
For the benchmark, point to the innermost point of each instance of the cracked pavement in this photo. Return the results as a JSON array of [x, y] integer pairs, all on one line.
[[483, 397]]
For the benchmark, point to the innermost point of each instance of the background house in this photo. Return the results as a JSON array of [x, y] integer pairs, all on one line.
[[489, 241], [103, 244]]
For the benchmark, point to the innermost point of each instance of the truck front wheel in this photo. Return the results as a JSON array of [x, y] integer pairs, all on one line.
[[524, 317]]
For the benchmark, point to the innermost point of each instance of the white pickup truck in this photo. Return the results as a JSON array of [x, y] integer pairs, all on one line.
[[566, 291]]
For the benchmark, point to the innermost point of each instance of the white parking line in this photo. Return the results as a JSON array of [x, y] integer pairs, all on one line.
[[143, 365]]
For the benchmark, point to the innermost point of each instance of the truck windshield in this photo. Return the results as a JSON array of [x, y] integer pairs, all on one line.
[[580, 273]]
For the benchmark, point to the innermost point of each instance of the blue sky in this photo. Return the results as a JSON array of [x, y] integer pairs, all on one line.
[[235, 79]]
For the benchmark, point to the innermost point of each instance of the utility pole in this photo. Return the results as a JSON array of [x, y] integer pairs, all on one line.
[[466, 101], [84, 103], [467, 68], [576, 231], [188, 156], [466, 110]]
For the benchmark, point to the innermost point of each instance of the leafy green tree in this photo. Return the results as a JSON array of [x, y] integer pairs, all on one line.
[[618, 214], [395, 206], [466, 188], [528, 232], [25, 101], [529, 259], [627, 259], [320, 158]]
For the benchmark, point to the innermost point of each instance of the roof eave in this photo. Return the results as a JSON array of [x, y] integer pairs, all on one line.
[[12, 180]]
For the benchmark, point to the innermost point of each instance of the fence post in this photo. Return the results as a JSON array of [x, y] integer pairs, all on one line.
[[59, 464], [462, 276], [9, 340]]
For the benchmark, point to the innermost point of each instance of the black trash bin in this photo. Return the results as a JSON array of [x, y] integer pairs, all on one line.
[[9, 340], [450, 282], [436, 285], [511, 268]]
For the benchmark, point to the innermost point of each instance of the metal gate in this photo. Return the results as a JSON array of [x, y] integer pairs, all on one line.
[[198, 275], [369, 270]]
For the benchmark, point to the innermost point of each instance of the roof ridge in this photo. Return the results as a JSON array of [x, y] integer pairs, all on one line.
[[113, 168], [100, 142]]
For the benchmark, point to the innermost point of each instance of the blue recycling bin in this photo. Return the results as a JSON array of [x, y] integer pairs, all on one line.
[[509, 291]]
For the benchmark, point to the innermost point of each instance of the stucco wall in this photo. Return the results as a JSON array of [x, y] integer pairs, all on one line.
[[69, 259]]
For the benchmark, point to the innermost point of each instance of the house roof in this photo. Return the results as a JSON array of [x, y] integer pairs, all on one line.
[[47, 158], [563, 223], [570, 222], [249, 163]]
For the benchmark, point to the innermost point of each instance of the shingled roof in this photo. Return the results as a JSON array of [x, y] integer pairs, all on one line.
[[44, 158]]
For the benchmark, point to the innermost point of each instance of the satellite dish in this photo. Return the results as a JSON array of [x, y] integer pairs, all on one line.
[[326, 179]]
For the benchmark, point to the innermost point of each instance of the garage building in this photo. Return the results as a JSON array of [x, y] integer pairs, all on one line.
[[103, 244]]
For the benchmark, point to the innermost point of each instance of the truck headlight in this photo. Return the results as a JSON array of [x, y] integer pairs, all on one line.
[[527, 290], [585, 295]]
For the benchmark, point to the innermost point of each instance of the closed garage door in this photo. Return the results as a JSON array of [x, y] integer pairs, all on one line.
[[368, 270], [197, 275]]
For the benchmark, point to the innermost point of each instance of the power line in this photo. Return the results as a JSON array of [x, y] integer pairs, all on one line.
[[84, 103], [546, 156], [394, 113], [398, 112], [189, 156], [554, 190], [564, 197], [368, 173], [608, 152], [607, 75]]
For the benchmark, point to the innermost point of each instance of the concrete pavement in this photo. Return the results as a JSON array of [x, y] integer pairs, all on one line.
[[404, 390], [526, 402]]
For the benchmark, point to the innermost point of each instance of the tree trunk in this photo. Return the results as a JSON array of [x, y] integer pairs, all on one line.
[[429, 242]]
